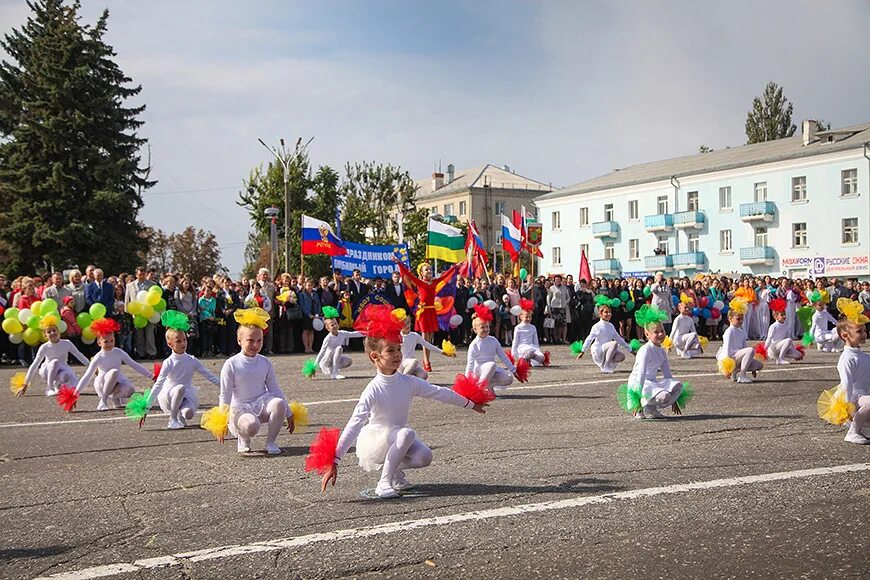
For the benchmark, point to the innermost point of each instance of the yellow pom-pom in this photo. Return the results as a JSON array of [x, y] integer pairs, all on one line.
[[686, 299], [727, 366], [667, 343], [300, 416], [16, 383], [400, 314], [852, 310], [833, 406], [704, 341], [255, 316], [216, 421], [738, 305], [448, 348], [48, 321]]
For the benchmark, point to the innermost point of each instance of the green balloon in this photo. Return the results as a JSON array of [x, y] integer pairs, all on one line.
[[140, 322], [630, 305], [623, 296], [83, 320], [523, 273], [48, 305], [11, 313], [33, 322], [97, 311], [156, 290], [647, 291], [615, 303], [160, 306]]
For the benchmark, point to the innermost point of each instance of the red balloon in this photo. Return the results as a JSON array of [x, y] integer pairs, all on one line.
[[715, 313]]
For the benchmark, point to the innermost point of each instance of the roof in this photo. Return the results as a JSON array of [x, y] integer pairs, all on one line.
[[475, 177], [724, 159]]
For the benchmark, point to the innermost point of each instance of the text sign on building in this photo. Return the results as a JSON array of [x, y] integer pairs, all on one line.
[[854, 265]]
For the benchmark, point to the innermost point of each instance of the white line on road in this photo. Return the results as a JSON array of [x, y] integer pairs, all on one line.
[[405, 525], [622, 379]]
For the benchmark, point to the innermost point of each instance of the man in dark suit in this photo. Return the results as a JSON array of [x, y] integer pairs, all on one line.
[[395, 291], [357, 288]]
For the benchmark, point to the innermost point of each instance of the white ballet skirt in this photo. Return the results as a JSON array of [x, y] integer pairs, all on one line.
[[255, 408], [652, 388], [373, 443], [190, 393]]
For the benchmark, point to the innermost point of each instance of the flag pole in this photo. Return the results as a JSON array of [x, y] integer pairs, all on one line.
[[301, 255]]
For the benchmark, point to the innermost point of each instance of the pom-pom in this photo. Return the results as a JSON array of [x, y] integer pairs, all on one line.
[[510, 355], [49, 321], [175, 320], [807, 339], [16, 383], [816, 296], [330, 312], [801, 349], [400, 314], [155, 372], [137, 406], [685, 396], [255, 316], [448, 348], [104, 326], [852, 310], [67, 397], [524, 369], [727, 366], [377, 321], [473, 389], [634, 345], [576, 347], [482, 312], [686, 299], [704, 341], [629, 398], [667, 343], [300, 416], [777, 305], [760, 351], [216, 421], [309, 368], [833, 406], [601, 300], [738, 305], [321, 454], [648, 315], [546, 358], [527, 304]]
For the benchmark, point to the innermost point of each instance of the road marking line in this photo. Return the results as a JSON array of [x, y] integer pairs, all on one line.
[[508, 390], [405, 525]]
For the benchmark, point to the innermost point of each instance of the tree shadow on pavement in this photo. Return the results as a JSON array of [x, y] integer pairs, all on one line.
[[533, 397], [15, 553], [588, 485], [709, 417]]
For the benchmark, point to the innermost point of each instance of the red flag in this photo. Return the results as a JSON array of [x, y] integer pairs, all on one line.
[[585, 272], [520, 223]]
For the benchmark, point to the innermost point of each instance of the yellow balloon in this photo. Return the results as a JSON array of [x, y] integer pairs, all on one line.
[[148, 310], [152, 298], [32, 337], [12, 326], [134, 308], [88, 334], [36, 308]]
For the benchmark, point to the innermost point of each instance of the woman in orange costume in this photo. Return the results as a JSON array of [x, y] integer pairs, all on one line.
[[426, 289], [747, 293]]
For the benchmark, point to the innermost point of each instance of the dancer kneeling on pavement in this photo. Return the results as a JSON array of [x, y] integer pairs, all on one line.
[[779, 343], [484, 351], [684, 336], [826, 340], [331, 357], [735, 358], [51, 359], [110, 381], [250, 388], [645, 393], [604, 339], [174, 390], [387, 442], [525, 344], [854, 368], [410, 340]]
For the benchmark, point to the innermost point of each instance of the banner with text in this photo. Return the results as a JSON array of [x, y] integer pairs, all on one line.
[[372, 261]]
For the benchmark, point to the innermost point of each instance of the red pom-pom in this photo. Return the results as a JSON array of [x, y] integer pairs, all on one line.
[[156, 372], [524, 369], [761, 351], [105, 326], [473, 389], [510, 355], [546, 358], [527, 304], [321, 454], [801, 349], [777, 305], [377, 321], [67, 397], [483, 312]]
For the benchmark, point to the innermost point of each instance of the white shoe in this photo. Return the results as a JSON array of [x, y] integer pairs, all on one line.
[[50, 392], [339, 377], [651, 412], [744, 379], [102, 406], [173, 424], [783, 361], [400, 482], [639, 416], [856, 438], [386, 491], [243, 446], [273, 449]]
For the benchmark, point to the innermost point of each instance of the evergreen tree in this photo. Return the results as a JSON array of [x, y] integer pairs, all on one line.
[[770, 117], [69, 159]]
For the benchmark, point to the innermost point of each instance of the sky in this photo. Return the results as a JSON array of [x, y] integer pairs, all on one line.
[[561, 91]]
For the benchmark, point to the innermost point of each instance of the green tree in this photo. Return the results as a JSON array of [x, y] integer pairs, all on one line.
[[770, 117], [195, 252], [373, 194], [70, 174]]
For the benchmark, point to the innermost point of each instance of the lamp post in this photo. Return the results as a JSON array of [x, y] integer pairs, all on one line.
[[272, 214]]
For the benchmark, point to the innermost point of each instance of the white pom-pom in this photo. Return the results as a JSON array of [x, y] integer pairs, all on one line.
[[317, 323], [516, 310], [490, 304], [472, 302]]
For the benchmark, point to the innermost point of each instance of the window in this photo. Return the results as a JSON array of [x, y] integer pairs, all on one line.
[[498, 240], [725, 241], [499, 207], [692, 201], [609, 251], [557, 256], [761, 191], [799, 235], [584, 217], [663, 244], [760, 237], [448, 209], [584, 249], [694, 242], [799, 188], [557, 221], [725, 197], [850, 230], [433, 211], [633, 249], [663, 204], [632, 210], [850, 182], [608, 212], [462, 208]]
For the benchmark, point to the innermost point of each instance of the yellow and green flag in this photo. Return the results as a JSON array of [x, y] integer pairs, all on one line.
[[445, 242]]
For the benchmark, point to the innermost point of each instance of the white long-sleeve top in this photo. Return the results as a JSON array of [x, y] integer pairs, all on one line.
[[483, 351], [649, 361], [178, 369], [107, 360], [333, 341], [777, 331], [821, 319], [50, 351], [244, 379], [733, 339], [661, 297], [525, 334], [386, 400], [603, 332], [410, 342], [682, 326], [854, 369]]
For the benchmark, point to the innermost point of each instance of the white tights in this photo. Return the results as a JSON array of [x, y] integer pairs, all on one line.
[[861, 419], [331, 365], [113, 384], [179, 404], [274, 414], [784, 349], [57, 373], [689, 345], [745, 359], [496, 377], [612, 356], [405, 452], [664, 398]]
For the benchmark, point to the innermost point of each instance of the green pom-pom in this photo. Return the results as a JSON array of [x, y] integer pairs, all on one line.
[[805, 315], [576, 347], [137, 406], [685, 396], [330, 312], [807, 339], [815, 296], [649, 314], [629, 398], [175, 319], [309, 368], [634, 344], [602, 300]]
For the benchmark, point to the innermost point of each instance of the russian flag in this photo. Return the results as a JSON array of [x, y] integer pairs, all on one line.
[[510, 238], [318, 238]]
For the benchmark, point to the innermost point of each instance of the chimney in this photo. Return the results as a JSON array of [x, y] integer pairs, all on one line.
[[808, 129], [450, 172], [437, 180]]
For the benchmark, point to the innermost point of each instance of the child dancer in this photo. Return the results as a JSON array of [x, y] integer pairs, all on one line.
[[387, 442], [604, 339], [331, 357], [854, 368], [410, 340], [250, 388], [110, 381], [525, 344], [779, 343], [174, 390], [483, 352], [684, 336], [51, 359], [826, 340], [735, 358]]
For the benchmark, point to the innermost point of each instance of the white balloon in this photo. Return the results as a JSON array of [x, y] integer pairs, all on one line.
[[718, 305], [141, 296], [16, 338], [472, 302], [455, 320], [516, 310], [61, 327], [24, 315], [317, 323], [154, 318], [490, 304]]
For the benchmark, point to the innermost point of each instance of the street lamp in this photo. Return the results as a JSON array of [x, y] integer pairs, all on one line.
[[272, 214]]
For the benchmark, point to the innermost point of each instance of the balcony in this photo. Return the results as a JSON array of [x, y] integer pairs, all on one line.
[[757, 255], [690, 261], [659, 223], [605, 229], [758, 211], [602, 267], [663, 263], [685, 220]]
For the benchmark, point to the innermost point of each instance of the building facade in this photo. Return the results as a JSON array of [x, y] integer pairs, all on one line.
[[797, 207]]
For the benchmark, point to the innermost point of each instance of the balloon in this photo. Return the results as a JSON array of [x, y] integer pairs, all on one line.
[[724, 310], [61, 326], [156, 290], [140, 321], [490, 304], [160, 306], [716, 313], [83, 319], [48, 305], [472, 302], [97, 311], [88, 340], [675, 300], [141, 295], [33, 322], [615, 303], [630, 305], [2, 311], [24, 315], [317, 323], [719, 305], [706, 312], [11, 313], [36, 308], [147, 311], [624, 296], [647, 291], [523, 273], [12, 326], [134, 308], [87, 333], [154, 318], [31, 336], [16, 338], [696, 311], [455, 320], [152, 298], [516, 310]]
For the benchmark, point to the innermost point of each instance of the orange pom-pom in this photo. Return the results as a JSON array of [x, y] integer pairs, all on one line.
[[67, 398], [524, 369], [473, 389], [778, 305], [527, 304], [321, 454], [104, 326]]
